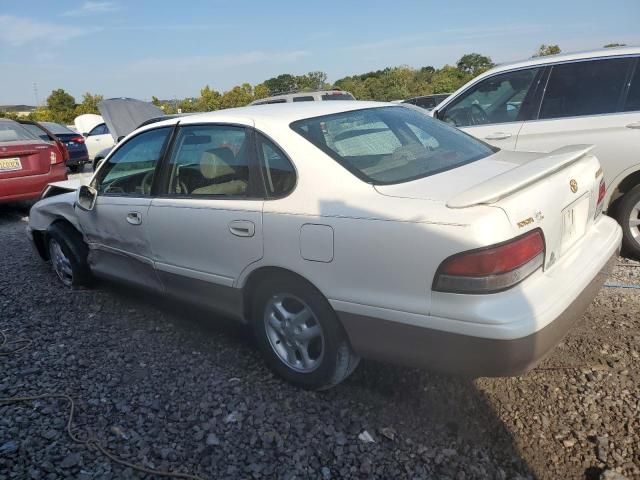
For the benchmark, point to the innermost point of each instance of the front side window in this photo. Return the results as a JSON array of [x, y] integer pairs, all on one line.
[[278, 173], [131, 168], [209, 160], [99, 130], [632, 103], [390, 145], [584, 88], [497, 99]]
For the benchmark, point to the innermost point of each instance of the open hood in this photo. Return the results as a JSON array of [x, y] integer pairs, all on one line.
[[85, 123], [124, 115]]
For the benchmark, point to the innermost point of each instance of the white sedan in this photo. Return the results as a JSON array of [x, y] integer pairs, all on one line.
[[341, 230]]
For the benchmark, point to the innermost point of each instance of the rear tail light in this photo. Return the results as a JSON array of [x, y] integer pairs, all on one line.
[[602, 191], [77, 139], [58, 155], [492, 269]]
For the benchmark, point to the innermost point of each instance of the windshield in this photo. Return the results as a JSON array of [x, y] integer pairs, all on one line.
[[57, 129], [391, 144], [11, 132]]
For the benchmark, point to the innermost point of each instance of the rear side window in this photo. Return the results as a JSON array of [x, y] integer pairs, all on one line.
[[584, 88], [633, 97], [209, 160], [278, 173], [11, 131], [390, 145], [303, 99]]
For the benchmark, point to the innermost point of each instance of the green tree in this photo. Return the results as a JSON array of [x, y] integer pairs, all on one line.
[[611, 45], [545, 50], [260, 91], [209, 99], [281, 84], [61, 105], [474, 64], [448, 79], [238, 96], [89, 104], [311, 81]]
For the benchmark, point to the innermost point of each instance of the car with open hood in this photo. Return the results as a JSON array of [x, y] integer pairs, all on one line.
[[340, 230]]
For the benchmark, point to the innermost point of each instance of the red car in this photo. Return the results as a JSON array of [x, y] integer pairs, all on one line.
[[27, 163]]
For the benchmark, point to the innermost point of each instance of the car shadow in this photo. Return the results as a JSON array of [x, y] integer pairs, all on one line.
[[433, 415]]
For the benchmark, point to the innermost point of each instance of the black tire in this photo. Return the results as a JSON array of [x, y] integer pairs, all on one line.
[[74, 248], [74, 168], [338, 360], [624, 208]]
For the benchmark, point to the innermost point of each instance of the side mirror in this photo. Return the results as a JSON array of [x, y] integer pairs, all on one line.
[[86, 197], [85, 134]]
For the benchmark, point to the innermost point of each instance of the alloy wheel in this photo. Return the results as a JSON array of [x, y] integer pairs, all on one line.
[[294, 333], [634, 223], [60, 263]]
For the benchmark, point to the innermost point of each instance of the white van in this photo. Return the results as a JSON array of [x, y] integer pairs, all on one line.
[[317, 96], [545, 103]]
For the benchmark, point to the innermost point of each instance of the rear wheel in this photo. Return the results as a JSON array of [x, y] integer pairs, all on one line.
[[299, 334], [74, 168], [628, 215], [68, 255]]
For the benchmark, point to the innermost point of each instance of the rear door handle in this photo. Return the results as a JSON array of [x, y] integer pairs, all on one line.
[[134, 218], [242, 228], [497, 136], [635, 125]]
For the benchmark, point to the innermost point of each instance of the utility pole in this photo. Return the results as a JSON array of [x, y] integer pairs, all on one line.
[[35, 93]]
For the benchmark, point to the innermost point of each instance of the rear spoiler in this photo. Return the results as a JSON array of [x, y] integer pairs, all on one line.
[[511, 181]]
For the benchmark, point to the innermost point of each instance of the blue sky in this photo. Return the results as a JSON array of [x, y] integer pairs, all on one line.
[[142, 48]]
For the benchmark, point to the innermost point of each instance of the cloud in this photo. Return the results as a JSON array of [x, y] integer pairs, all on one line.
[[219, 62], [18, 31], [92, 8]]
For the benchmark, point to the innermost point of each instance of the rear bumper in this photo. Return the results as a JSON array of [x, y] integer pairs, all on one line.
[[508, 334], [78, 158], [30, 187], [461, 354]]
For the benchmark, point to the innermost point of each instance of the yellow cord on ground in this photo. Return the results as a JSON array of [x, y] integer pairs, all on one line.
[[90, 442]]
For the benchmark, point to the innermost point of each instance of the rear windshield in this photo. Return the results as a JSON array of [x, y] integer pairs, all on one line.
[[57, 129], [337, 96], [10, 132], [390, 145]]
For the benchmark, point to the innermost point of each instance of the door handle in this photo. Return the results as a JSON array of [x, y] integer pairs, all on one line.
[[497, 136], [242, 228], [635, 125], [134, 218]]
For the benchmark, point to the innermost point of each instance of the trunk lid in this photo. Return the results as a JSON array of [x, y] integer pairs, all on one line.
[[23, 158], [556, 192]]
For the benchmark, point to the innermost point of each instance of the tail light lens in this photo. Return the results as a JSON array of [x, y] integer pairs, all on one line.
[[58, 155], [602, 191], [492, 269], [77, 139]]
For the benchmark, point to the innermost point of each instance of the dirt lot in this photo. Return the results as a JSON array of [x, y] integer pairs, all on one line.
[[178, 389]]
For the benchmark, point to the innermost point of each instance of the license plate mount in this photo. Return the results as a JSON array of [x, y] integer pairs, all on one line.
[[10, 164], [574, 222]]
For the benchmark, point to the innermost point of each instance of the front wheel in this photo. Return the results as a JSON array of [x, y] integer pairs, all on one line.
[[628, 215], [68, 255], [299, 334]]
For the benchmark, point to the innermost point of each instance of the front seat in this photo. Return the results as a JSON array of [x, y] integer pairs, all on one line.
[[215, 165]]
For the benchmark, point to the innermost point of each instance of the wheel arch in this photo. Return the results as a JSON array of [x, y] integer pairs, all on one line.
[[621, 185], [40, 237], [260, 274]]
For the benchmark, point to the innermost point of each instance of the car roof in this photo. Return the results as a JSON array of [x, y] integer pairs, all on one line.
[[566, 57], [278, 113]]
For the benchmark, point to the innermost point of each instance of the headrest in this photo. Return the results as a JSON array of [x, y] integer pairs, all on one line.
[[216, 162]]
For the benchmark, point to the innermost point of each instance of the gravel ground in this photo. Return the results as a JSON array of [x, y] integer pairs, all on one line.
[[179, 389]]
